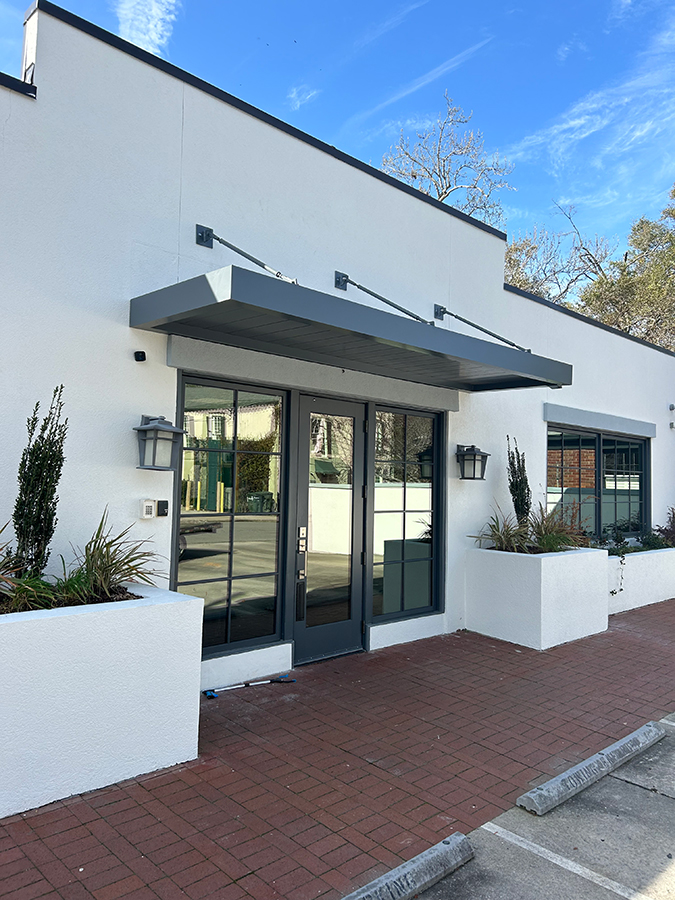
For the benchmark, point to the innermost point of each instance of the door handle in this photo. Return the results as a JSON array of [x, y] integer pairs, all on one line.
[[300, 598]]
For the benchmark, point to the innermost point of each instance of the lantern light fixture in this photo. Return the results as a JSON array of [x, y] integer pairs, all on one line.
[[159, 443], [472, 462]]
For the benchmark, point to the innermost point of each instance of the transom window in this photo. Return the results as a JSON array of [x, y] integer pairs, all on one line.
[[230, 506], [600, 478]]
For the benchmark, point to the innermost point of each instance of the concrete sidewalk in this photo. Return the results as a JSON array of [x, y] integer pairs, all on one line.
[[309, 790], [616, 838]]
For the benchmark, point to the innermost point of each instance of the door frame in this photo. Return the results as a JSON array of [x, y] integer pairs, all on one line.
[[352, 629], [289, 515]]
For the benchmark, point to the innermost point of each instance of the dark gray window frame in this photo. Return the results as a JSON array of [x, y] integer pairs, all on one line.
[[611, 435], [267, 640], [439, 508], [288, 519]]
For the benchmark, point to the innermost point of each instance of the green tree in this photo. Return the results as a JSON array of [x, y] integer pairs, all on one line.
[[452, 165], [39, 473], [637, 292]]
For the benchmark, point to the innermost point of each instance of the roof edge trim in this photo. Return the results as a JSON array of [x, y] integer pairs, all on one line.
[[15, 84], [168, 68], [512, 289]]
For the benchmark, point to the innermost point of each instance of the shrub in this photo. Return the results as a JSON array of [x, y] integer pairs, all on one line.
[[667, 531], [519, 486], [39, 473], [651, 540]]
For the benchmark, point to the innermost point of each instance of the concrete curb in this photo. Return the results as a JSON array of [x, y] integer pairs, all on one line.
[[419, 873], [554, 792]]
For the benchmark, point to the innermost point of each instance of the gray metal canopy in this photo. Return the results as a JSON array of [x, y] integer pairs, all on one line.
[[241, 308]]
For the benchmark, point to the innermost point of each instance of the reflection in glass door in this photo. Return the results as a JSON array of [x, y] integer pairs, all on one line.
[[329, 573], [230, 508], [329, 522]]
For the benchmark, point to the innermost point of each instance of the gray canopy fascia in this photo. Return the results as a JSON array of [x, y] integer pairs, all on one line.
[[241, 308]]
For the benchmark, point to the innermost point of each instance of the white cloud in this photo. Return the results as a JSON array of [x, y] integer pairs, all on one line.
[[620, 8], [623, 11], [568, 47], [300, 95], [618, 117], [432, 75], [147, 23], [393, 127], [612, 149], [376, 31]]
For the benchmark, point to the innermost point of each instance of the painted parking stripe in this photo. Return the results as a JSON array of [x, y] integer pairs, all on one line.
[[568, 864]]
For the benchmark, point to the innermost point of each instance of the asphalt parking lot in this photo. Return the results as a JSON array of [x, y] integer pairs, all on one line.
[[614, 839]]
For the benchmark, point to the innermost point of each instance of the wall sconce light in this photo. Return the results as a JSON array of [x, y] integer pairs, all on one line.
[[472, 462], [159, 443]]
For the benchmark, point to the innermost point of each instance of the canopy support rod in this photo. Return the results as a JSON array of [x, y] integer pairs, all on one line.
[[206, 237], [440, 311], [342, 280]]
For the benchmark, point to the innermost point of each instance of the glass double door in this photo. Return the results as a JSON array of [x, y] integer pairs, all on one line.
[[329, 534]]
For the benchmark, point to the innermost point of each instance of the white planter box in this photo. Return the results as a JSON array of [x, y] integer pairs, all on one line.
[[539, 600], [91, 695], [648, 577]]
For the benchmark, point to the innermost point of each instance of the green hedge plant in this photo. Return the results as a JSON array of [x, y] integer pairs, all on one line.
[[39, 473], [519, 486]]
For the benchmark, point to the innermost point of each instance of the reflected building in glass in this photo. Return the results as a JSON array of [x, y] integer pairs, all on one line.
[[230, 506]]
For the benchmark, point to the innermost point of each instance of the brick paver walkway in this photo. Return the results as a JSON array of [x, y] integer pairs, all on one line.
[[314, 788]]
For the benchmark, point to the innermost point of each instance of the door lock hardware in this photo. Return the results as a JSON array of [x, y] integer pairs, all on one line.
[[302, 545], [301, 574], [302, 531]]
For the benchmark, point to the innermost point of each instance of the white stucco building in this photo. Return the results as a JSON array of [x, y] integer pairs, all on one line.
[[317, 506]]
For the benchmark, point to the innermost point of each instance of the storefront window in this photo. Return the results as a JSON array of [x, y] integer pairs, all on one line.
[[599, 480], [403, 511], [230, 507]]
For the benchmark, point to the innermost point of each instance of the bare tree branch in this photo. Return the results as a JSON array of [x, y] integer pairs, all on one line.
[[556, 265], [447, 164]]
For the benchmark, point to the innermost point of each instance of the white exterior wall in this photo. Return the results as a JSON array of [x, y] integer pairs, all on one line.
[[108, 172]]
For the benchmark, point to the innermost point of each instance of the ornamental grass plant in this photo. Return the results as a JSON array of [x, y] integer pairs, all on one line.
[[99, 575], [554, 530], [544, 531], [108, 560]]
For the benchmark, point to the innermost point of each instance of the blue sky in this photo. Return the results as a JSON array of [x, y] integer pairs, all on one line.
[[579, 95]]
